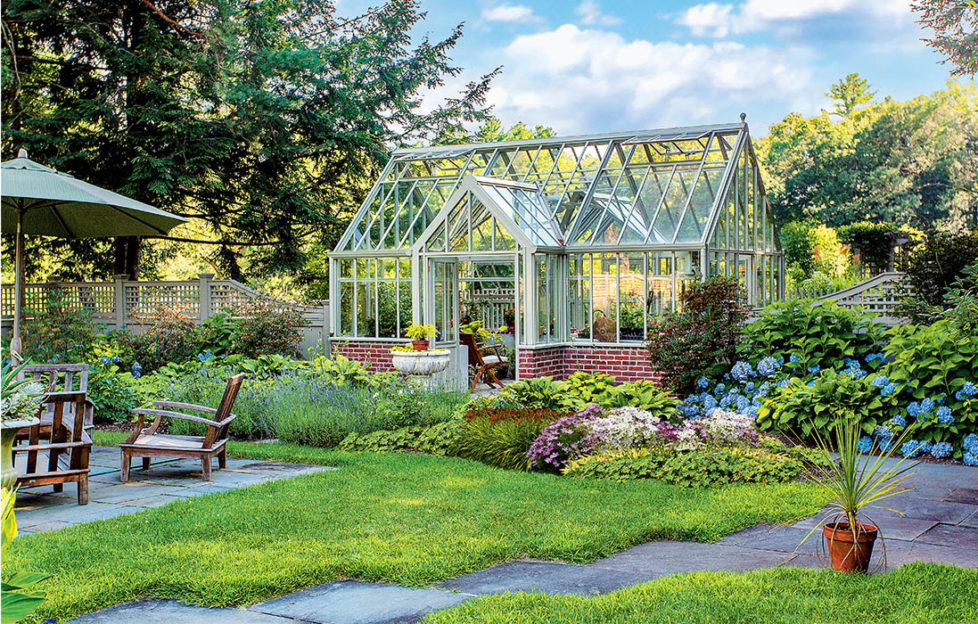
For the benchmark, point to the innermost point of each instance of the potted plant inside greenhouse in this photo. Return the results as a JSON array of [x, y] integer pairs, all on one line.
[[631, 316], [22, 399], [420, 335], [856, 482]]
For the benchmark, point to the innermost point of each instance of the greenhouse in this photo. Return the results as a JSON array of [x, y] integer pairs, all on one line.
[[571, 243]]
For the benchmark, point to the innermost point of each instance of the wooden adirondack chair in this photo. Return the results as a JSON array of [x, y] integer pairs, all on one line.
[[482, 363], [62, 446], [147, 443], [62, 378]]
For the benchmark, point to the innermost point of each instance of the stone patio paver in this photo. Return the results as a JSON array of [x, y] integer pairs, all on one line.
[[169, 480], [173, 612], [353, 602]]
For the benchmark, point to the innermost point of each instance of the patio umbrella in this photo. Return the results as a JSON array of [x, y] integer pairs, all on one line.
[[40, 201]]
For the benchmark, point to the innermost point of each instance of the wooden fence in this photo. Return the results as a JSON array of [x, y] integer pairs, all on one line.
[[125, 304], [879, 295]]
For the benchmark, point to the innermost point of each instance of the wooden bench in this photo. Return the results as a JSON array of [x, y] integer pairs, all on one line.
[[482, 363], [62, 378], [148, 443], [62, 446]]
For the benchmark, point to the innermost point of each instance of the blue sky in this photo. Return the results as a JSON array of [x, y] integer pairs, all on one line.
[[599, 65]]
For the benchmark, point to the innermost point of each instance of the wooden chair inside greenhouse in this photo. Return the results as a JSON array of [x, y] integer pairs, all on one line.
[[481, 362]]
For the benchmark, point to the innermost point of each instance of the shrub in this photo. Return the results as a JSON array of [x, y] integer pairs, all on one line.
[[808, 332], [115, 394], [266, 328], [171, 336], [59, 333], [933, 267], [438, 439], [502, 438], [701, 337]]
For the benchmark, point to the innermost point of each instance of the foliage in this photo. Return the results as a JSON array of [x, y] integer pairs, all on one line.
[[20, 596], [21, 401], [894, 162], [700, 338], [322, 415], [808, 332], [850, 93], [405, 519], [286, 137], [501, 438], [114, 394], [874, 242], [420, 332], [264, 328], [437, 439], [170, 336], [815, 248], [933, 268], [59, 332], [954, 25], [811, 410], [785, 594], [703, 468]]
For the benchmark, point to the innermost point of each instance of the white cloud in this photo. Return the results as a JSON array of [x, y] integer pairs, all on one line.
[[720, 20], [591, 15], [509, 13], [577, 79]]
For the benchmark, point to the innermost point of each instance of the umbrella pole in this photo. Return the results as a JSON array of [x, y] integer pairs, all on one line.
[[16, 345]]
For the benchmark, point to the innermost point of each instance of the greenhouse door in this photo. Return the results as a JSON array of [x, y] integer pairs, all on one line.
[[443, 299]]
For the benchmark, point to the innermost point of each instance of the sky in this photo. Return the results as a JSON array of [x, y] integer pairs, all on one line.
[[587, 66]]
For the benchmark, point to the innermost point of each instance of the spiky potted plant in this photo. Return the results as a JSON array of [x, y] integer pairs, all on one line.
[[857, 482]]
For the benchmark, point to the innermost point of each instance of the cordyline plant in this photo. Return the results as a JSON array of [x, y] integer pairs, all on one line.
[[858, 482]]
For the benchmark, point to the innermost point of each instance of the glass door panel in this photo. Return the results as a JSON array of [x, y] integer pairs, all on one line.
[[443, 288]]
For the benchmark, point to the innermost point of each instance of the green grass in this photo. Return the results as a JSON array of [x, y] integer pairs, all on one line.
[[399, 518], [920, 593]]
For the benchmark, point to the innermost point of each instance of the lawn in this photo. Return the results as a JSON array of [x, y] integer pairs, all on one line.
[[399, 518], [921, 593]]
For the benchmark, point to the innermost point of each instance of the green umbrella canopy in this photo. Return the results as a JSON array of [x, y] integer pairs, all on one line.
[[57, 204]]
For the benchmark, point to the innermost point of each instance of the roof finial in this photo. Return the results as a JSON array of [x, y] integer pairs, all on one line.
[[743, 118], [22, 153]]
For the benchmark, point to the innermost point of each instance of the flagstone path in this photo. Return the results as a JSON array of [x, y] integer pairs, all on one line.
[[940, 524]]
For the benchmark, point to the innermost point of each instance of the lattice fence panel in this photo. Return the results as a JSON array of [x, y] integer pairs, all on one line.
[[145, 298]]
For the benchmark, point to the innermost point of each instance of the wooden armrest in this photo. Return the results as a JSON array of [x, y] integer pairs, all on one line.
[[47, 447], [491, 347], [65, 397], [168, 414], [189, 406]]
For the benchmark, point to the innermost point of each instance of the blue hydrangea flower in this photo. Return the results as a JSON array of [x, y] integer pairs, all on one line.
[[741, 371], [882, 432], [709, 404], [944, 415], [970, 459], [913, 409], [865, 444], [940, 450], [742, 404], [784, 383], [925, 447], [767, 367], [887, 445], [115, 359], [971, 443], [880, 381], [888, 389], [763, 389], [898, 421], [814, 370], [927, 405], [967, 391], [203, 357], [911, 448], [106, 360], [751, 411], [728, 400], [810, 383], [702, 383], [749, 387], [794, 358]]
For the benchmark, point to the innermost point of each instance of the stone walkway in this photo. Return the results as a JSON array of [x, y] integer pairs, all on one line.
[[40, 509], [940, 524]]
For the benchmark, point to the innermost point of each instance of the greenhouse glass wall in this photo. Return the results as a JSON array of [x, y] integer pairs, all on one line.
[[573, 243]]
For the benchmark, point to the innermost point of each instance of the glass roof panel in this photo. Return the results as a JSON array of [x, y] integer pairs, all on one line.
[[624, 188]]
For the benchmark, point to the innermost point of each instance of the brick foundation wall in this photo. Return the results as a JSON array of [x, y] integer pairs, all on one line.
[[375, 355], [623, 363]]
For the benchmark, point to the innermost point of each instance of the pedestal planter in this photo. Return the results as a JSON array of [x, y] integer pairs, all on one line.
[[421, 364], [847, 554], [7, 436]]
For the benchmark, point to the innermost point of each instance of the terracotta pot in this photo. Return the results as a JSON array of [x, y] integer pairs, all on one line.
[[420, 345], [848, 555]]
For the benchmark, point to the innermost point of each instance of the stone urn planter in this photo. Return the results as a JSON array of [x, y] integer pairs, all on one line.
[[7, 436], [422, 364]]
